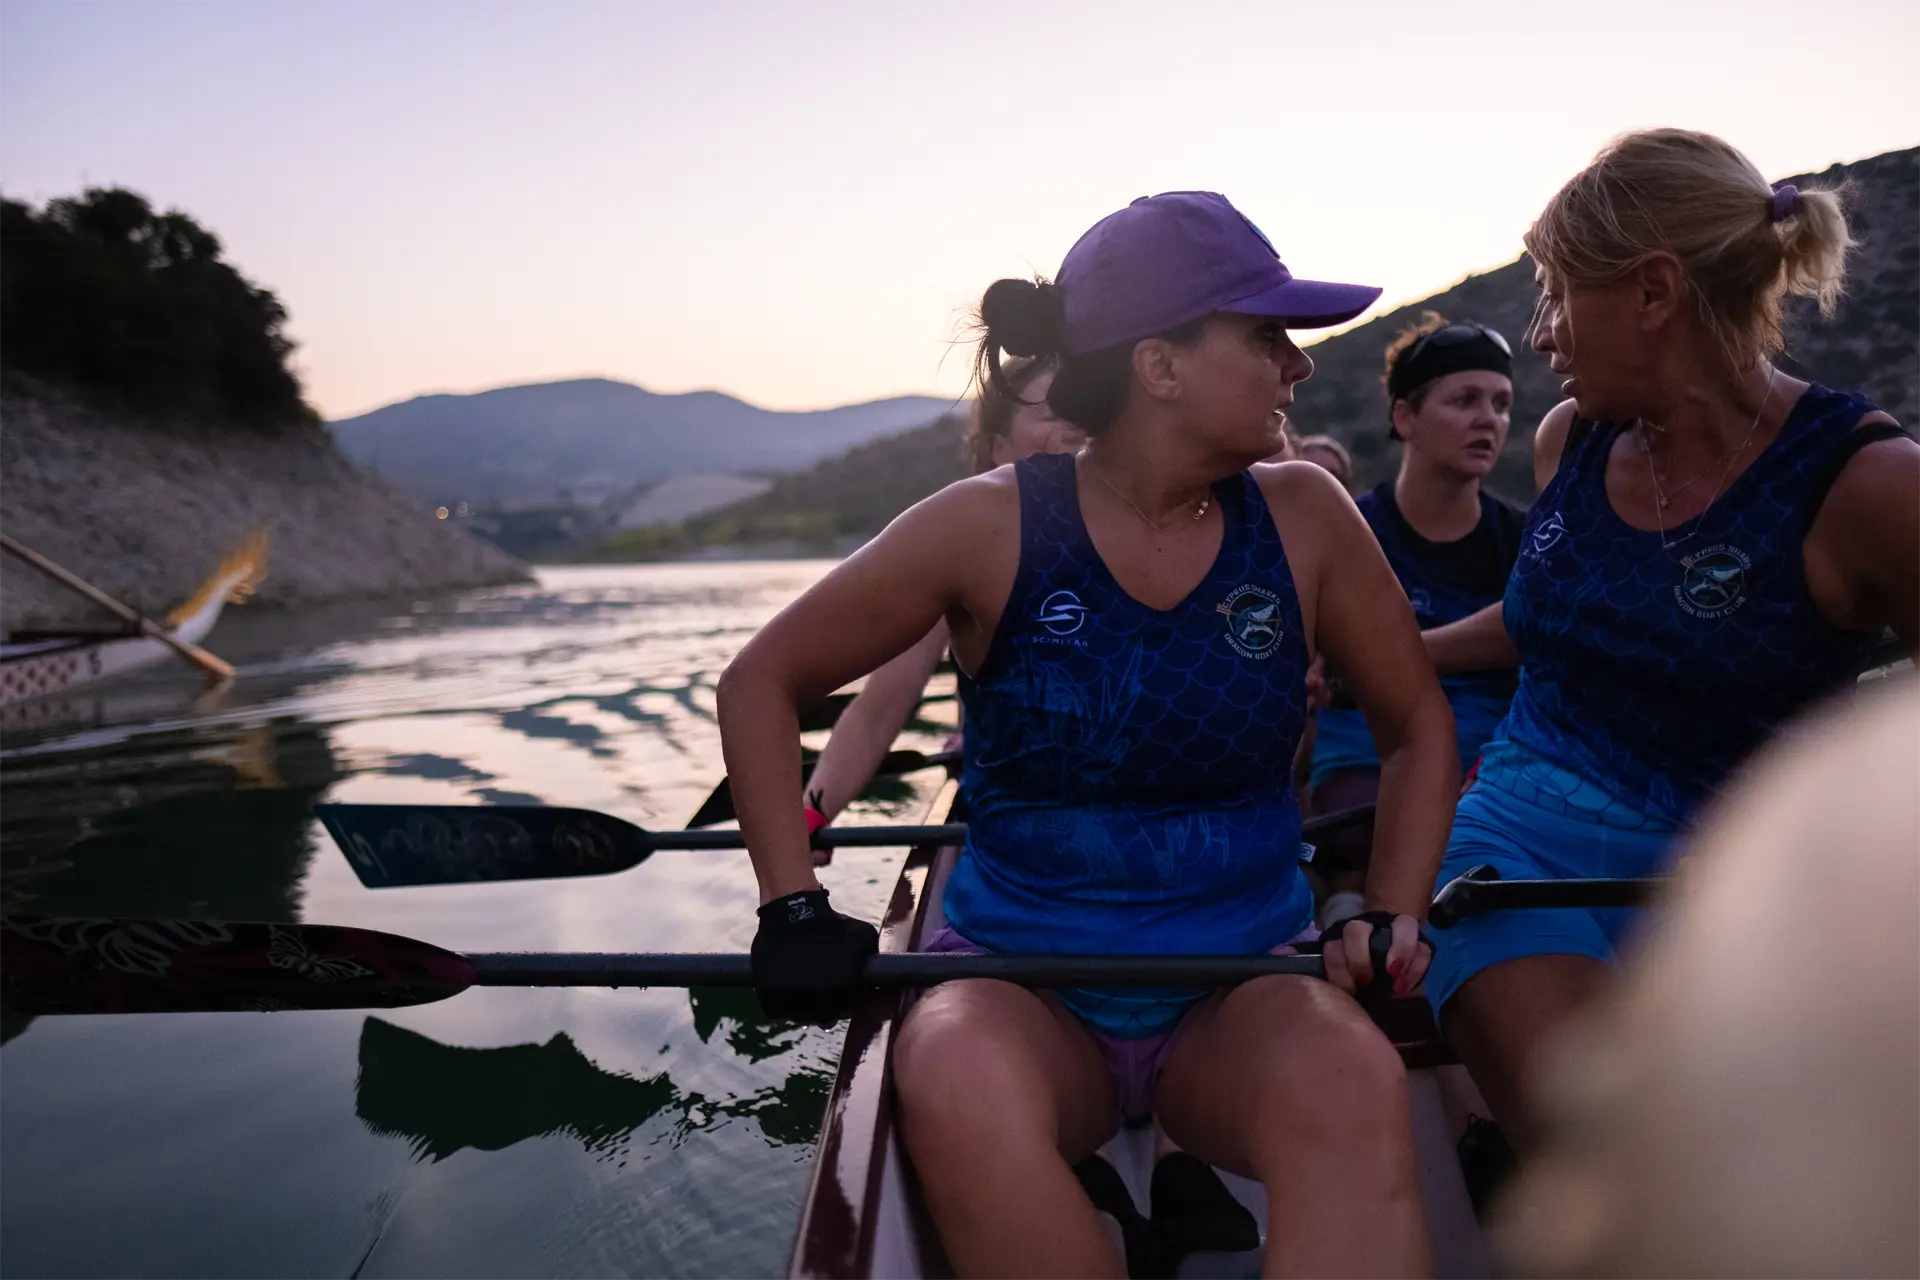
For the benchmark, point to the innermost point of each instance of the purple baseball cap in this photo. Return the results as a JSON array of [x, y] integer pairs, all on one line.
[[1168, 259]]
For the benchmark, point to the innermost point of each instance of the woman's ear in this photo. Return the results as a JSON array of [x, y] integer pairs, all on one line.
[[1403, 416], [1660, 289], [1155, 369]]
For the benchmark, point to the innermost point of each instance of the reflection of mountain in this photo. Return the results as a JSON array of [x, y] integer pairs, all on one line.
[[197, 824], [442, 1098]]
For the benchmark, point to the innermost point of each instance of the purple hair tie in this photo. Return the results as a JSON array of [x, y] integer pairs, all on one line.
[[1786, 202]]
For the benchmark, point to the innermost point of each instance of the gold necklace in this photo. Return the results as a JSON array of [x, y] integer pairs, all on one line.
[[1101, 476], [1724, 464]]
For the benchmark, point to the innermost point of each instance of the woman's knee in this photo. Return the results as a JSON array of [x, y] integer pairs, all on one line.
[[1336, 1069], [971, 1046]]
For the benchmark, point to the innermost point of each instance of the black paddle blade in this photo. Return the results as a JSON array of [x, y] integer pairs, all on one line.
[[391, 845], [200, 966]]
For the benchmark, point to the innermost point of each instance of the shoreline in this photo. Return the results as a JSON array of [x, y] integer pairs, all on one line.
[[145, 508]]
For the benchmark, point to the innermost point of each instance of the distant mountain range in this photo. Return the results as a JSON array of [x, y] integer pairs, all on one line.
[[580, 443], [1872, 345]]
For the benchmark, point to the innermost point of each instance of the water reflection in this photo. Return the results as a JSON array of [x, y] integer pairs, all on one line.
[[630, 1132], [184, 828], [442, 1099]]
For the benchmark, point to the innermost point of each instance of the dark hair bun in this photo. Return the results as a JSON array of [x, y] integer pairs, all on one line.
[[1023, 317]]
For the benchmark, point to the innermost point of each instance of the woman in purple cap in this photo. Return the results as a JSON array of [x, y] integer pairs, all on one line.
[[1716, 545], [1132, 626]]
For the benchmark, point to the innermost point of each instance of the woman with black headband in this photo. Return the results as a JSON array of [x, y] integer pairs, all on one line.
[[1716, 545], [1449, 392]]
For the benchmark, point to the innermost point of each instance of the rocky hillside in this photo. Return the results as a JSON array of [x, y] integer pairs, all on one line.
[[144, 508], [1872, 344], [828, 509]]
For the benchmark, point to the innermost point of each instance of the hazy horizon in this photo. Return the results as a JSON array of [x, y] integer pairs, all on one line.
[[796, 205]]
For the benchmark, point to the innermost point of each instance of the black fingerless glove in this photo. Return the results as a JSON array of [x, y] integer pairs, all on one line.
[[808, 958]]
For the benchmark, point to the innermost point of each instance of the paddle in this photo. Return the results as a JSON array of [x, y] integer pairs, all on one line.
[[391, 845], [1481, 890], [394, 845], [198, 966], [216, 668], [718, 806]]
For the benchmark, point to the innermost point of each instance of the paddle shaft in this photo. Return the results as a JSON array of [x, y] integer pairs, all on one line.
[[912, 969], [1469, 896], [148, 627]]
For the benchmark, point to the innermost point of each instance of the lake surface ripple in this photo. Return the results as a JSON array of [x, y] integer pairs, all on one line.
[[500, 1133]]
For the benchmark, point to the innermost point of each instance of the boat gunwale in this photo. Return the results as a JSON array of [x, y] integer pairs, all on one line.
[[835, 1233]]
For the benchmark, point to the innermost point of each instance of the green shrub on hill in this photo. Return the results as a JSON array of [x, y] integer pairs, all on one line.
[[822, 510], [99, 291]]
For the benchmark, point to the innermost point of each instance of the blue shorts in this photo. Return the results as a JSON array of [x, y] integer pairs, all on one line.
[[1533, 823]]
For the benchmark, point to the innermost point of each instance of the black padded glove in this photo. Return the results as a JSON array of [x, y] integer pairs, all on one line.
[[808, 958]]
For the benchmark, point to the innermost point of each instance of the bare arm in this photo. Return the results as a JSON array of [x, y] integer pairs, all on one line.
[[1479, 642], [1362, 623], [1550, 441], [1863, 555], [870, 724], [899, 586]]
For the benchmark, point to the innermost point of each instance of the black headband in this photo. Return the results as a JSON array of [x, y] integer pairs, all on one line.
[[1456, 348]]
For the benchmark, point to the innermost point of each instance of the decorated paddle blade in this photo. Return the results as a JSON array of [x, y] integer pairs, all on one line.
[[184, 966], [391, 845]]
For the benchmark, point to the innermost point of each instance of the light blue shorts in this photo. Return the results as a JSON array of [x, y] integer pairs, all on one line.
[[1531, 820]]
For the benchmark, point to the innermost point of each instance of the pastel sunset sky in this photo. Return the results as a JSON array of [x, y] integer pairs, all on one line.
[[798, 202]]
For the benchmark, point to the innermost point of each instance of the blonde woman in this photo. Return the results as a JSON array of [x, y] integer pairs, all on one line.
[[1715, 545]]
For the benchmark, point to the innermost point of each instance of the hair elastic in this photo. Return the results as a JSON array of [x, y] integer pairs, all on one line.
[[1786, 202]]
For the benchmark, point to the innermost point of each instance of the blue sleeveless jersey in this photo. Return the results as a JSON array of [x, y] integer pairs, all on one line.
[[1440, 592], [1653, 672], [1126, 776]]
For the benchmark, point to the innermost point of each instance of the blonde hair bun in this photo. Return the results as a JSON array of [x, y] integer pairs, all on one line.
[[1697, 197]]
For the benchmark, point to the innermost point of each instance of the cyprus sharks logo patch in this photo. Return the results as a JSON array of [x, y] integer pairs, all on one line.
[[1253, 621]]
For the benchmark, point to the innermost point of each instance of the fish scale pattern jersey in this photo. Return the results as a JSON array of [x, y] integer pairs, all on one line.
[[1652, 671], [1126, 774]]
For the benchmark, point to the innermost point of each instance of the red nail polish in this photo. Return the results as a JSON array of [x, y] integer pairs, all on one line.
[[1395, 968]]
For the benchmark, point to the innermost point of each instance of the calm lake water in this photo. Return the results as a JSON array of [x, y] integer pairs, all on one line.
[[500, 1133]]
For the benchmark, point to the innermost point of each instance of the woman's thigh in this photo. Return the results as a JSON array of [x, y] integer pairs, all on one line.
[[1279, 1053], [984, 1051]]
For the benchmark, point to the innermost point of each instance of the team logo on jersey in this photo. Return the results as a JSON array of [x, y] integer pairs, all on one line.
[[1422, 603], [1253, 620], [1713, 582], [1062, 613], [1547, 536]]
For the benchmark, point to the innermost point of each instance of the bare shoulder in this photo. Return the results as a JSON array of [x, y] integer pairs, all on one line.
[[1300, 486], [973, 507], [1314, 515], [1882, 475], [1550, 441]]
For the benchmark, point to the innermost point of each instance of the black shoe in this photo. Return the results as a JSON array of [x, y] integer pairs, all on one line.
[[1486, 1162], [1193, 1212]]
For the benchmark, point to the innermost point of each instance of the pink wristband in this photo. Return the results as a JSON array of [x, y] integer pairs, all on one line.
[[815, 820]]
